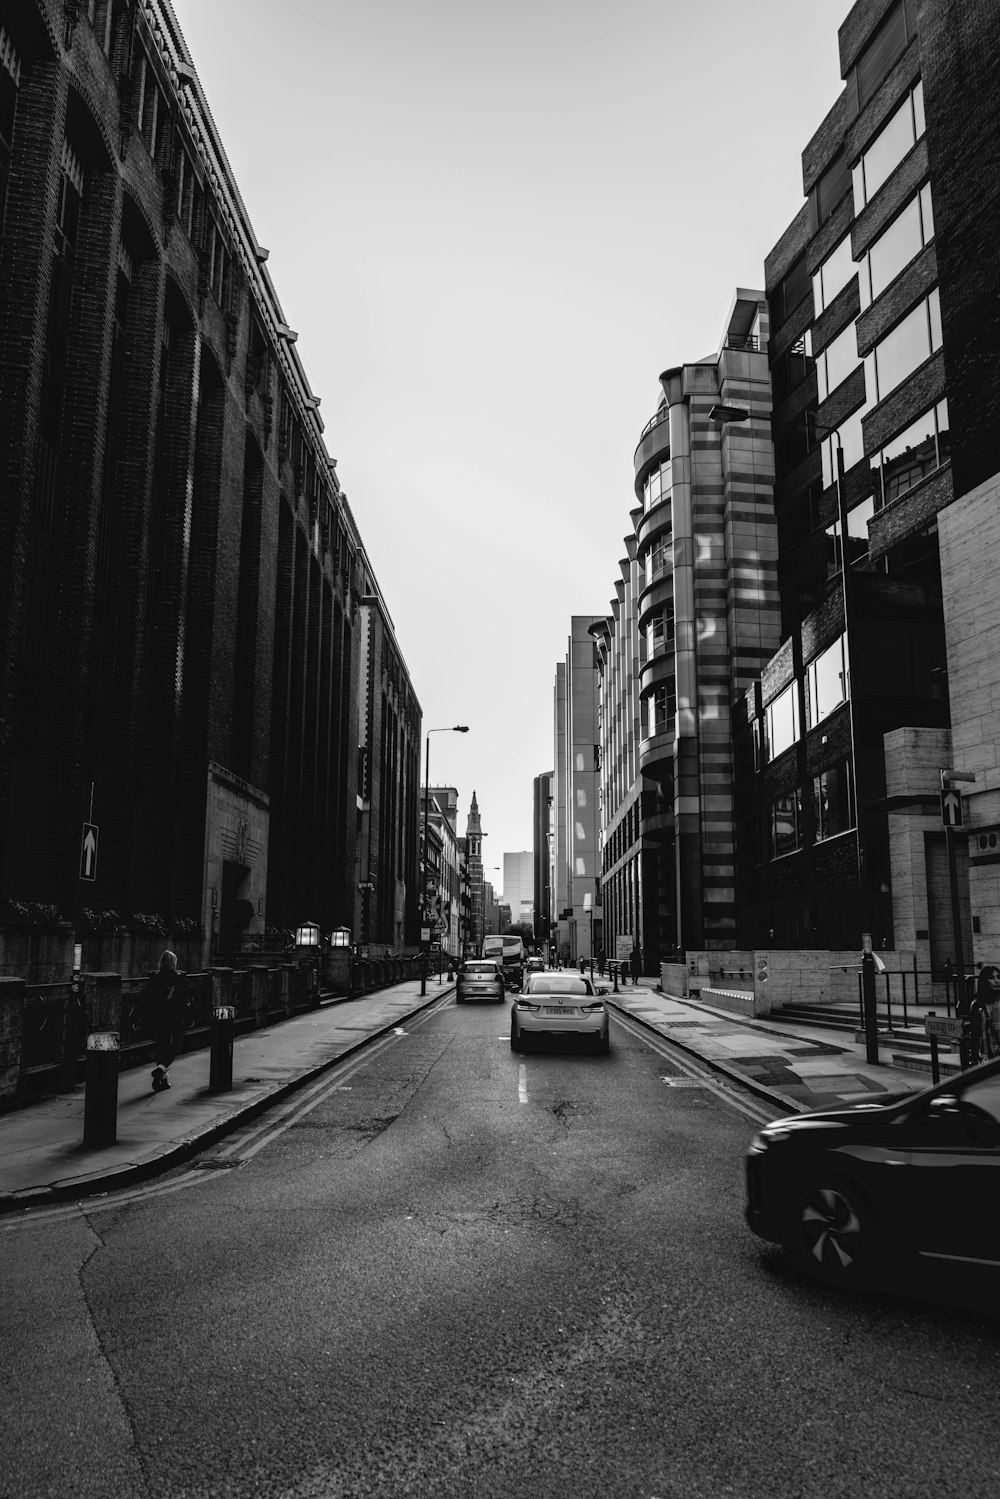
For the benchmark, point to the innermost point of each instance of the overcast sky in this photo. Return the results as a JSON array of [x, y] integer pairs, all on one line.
[[493, 225]]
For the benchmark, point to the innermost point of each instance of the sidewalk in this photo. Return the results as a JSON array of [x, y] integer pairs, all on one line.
[[42, 1155], [797, 1067]]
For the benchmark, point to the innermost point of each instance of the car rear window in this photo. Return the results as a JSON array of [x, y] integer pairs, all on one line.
[[481, 970], [554, 983]]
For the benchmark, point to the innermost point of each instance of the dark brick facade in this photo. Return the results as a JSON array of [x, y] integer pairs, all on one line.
[[827, 891], [181, 575]]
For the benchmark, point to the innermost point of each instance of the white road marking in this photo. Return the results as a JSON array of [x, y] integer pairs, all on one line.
[[758, 1112], [522, 1084]]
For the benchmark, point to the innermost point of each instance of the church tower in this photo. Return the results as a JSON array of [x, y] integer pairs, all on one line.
[[474, 859]]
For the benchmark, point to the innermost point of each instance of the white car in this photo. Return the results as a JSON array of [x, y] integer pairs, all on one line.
[[480, 978], [560, 1004]]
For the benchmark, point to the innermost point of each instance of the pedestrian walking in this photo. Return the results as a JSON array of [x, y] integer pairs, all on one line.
[[163, 1008], [601, 961], [635, 962]]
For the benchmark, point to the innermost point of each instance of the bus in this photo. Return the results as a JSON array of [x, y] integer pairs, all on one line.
[[509, 953]]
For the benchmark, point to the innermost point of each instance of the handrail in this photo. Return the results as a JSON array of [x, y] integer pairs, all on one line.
[[654, 421]]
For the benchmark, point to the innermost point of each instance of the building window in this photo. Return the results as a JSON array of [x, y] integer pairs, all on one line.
[[894, 141], [659, 556], [914, 339], [790, 292], [786, 824], [657, 486], [837, 362], [789, 370], [851, 441], [833, 801], [896, 246], [874, 62], [781, 722], [831, 187], [663, 707], [910, 457], [833, 275], [827, 683]]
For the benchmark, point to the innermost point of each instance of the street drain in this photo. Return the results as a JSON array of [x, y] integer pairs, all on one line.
[[217, 1165]]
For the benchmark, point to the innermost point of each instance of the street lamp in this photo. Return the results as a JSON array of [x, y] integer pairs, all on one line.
[[458, 728], [723, 413]]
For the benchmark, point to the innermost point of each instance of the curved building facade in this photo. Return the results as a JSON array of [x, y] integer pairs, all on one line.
[[694, 619]]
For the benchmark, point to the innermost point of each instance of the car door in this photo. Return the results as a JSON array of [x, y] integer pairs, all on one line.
[[953, 1156]]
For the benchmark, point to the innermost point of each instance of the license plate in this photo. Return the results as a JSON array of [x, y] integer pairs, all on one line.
[[559, 1009]]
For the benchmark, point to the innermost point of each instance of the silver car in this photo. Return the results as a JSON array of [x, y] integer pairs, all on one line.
[[560, 1004], [480, 978]]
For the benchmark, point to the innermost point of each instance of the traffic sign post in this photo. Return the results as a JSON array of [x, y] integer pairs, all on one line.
[[88, 851], [952, 808]]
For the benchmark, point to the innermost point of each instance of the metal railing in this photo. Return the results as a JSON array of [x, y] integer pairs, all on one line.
[[905, 997]]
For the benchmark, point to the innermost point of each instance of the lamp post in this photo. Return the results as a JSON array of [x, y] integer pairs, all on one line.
[[459, 728], [724, 413]]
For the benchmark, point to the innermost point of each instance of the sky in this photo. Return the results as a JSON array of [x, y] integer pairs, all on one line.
[[492, 227]]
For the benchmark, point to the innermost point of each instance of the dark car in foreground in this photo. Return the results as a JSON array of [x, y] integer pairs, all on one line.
[[871, 1190], [562, 1004]]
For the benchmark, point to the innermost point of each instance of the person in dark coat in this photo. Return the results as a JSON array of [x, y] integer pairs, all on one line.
[[601, 961], [635, 963], [163, 1000]]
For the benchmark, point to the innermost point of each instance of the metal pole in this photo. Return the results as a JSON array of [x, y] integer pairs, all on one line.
[[847, 590], [961, 998], [869, 1005]]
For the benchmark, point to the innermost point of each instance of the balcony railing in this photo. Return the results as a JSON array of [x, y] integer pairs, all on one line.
[[749, 341], [654, 421]]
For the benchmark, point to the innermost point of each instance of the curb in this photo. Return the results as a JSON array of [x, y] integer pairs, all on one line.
[[181, 1150], [770, 1095]]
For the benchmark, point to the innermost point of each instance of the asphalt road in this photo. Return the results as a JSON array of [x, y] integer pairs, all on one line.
[[450, 1270]]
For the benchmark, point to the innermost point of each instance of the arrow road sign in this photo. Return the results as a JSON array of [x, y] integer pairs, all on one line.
[[951, 808], [88, 851]]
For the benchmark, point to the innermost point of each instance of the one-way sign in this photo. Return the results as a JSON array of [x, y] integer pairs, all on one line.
[[88, 851], [951, 807]]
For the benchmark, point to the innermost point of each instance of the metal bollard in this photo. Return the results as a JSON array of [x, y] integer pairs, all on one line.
[[100, 1103], [615, 972], [220, 1075]]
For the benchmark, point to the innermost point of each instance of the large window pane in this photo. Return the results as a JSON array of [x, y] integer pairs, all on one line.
[[833, 275], [782, 719], [895, 248], [786, 824], [833, 801], [908, 344], [908, 458], [894, 140], [838, 360], [827, 682]]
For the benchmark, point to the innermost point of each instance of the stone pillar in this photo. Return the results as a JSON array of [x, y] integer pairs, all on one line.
[[258, 995], [222, 987], [11, 1027], [102, 1001]]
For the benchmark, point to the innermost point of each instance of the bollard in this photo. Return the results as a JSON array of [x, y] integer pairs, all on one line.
[[615, 972], [220, 1072], [100, 1103]]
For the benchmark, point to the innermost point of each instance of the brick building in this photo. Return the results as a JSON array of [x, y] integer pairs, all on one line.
[[885, 364], [182, 581]]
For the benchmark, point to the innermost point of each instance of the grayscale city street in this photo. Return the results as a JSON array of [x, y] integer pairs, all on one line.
[[468, 1273]]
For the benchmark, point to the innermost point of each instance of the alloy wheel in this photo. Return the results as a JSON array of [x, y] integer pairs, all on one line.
[[832, 1230]]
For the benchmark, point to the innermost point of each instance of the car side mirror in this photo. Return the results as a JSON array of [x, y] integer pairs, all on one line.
[[601, 989]]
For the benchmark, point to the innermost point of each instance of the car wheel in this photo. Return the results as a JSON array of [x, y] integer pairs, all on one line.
[[515, 1038], [837, 1234]]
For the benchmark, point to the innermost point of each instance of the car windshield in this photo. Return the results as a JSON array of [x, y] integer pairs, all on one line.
[[480, 970], [557, 983]]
